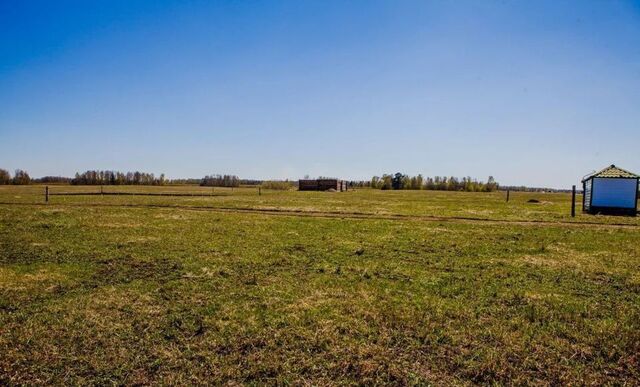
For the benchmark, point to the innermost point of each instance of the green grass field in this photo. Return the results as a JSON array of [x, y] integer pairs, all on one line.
[[411, 287]]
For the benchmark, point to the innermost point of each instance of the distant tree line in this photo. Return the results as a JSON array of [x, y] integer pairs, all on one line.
[[98, 177], [52, 180], [217, 181], [117, 178], [188, 181], [251, 182], [20, 177], [521, 188], [397, 181], [400, 181], [280, 185], [220, 181]]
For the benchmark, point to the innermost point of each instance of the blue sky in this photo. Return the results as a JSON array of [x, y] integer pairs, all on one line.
[[531, 92]]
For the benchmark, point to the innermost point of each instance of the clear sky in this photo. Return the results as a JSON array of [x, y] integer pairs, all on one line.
[[531, 92]]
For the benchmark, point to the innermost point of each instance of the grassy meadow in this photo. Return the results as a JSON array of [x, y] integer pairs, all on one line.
[[362, 287]]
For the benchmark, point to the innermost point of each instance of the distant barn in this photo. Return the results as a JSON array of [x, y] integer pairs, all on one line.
[[322, 185], [611, 191]]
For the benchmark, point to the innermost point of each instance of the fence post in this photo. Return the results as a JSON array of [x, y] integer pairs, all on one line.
[[508, 196], [259, 191], [46, 194], [573, 202]]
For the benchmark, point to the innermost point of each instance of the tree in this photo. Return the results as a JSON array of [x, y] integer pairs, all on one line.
[[441, 183], [387, 182], [21, 177], [405, 182], [417, 182], [5, 177], [431, 185], [397, 181], [491, 184], [452, 185]]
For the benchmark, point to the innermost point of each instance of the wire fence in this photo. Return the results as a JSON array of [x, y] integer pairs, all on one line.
[[45, 192]]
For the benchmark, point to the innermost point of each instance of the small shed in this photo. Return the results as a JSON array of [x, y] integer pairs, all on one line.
[[611, 191], [322, 185]]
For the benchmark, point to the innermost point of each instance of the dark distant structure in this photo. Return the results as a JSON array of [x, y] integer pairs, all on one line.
[[612, 191], [322, 185]]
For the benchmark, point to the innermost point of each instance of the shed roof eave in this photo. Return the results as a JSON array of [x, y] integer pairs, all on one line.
[[612, 172]]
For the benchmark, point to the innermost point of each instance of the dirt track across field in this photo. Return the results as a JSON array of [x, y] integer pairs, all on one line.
[[340, 215]]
